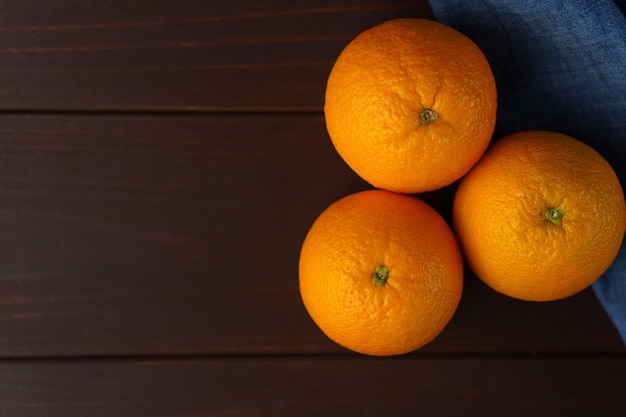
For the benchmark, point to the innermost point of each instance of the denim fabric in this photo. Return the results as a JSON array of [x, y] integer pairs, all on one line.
[[559, 65]]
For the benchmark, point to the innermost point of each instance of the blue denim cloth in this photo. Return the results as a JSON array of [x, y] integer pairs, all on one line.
[[559, 65]]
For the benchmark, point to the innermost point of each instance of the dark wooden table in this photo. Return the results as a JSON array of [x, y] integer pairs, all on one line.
[[160, 165]]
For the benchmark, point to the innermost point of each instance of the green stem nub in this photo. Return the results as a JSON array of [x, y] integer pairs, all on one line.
[[554, 214], [427, 116], [381, 273]]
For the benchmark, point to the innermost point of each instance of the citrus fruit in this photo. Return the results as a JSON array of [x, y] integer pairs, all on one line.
[[410, 105], [540, 217], [381, 273]]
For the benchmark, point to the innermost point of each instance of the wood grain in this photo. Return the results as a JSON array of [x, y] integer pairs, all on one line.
[[171, 235], [183, 55], [318, 386], [160, 165]]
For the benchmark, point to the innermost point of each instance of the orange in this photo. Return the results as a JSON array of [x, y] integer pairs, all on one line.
[[380, 273], [540, 217], [410, 105]]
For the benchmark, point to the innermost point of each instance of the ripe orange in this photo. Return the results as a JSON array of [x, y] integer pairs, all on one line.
[[380, 273], [540, 217], [411, 105]]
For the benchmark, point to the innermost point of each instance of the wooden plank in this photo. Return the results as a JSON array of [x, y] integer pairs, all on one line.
[[181, 234], [182, 55], [328, 386]]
